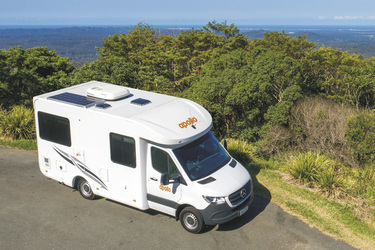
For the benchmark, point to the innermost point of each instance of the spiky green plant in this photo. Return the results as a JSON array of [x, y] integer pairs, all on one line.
[[306, 166], [239, 149], [365, 182], [18, 123], [329, 179]]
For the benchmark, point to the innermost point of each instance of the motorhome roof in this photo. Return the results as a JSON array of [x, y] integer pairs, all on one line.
[[163, 119]]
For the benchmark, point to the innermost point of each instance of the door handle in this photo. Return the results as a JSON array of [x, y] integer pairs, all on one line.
[[153, 178]]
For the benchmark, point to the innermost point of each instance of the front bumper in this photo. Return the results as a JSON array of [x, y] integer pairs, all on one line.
[[219, 214]]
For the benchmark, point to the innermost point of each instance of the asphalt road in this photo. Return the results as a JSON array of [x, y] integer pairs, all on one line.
[[39, 213]]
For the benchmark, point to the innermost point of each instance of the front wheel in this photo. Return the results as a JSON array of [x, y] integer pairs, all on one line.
[[85, 189], [191, 219]]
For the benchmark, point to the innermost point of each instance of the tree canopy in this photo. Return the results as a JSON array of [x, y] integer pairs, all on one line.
[[249, 86], [25, 73]]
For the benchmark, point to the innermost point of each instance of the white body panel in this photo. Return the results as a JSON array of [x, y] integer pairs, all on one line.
[[164, 122]]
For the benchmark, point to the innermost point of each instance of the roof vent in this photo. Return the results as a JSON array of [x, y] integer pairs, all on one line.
[[108, 92], [140, 101]]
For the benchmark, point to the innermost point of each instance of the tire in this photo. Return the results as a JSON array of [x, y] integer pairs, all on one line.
[[191, 219], [85, 189]]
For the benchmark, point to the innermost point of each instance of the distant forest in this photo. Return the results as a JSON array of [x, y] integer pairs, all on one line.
[[79, 43]]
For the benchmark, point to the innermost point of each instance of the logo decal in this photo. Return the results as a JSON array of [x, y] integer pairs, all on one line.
[[189, 121], [164, 188], [243, 193]]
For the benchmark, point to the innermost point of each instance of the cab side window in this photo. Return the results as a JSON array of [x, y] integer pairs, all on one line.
[[162, 162], [122, 150]]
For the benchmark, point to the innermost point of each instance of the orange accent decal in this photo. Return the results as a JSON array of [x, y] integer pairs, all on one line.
[[164, 188], [189, 121]]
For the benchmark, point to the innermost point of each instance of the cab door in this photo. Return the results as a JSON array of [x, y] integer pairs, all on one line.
[[160, 197]]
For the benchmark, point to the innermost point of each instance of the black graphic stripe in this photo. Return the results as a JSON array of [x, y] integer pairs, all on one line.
[[63, 155], [162, 201], [82, 167]]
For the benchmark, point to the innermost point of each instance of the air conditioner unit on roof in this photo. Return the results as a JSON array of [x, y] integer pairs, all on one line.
[[108, 92]]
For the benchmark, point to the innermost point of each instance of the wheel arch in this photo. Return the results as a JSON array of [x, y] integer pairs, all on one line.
[[181, 207], [76, 181]]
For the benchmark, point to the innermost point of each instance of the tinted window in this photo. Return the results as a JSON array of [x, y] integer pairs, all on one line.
[[54, 128], [122, 150], [162, 162], [202, 157]]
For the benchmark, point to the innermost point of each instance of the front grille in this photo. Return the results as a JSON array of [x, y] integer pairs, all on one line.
[[236, 198]]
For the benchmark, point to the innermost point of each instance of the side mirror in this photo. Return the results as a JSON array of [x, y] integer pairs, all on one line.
[[164, 179]]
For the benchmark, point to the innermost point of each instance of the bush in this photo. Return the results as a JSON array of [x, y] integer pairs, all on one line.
[[316, 169], [329, 180], [18, 123], [276, 140], [306, 166], [240, 150], [302, 167], [320, 125], [365, 182], [360, 136]]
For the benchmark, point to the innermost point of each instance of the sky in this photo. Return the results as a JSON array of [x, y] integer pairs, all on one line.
[[187, 12]]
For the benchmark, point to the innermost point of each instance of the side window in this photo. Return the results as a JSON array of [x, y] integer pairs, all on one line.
[[54, 128], [162, 162], [122, 150]]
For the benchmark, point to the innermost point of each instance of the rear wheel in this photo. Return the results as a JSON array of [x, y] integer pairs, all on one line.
[[85, 189], [191, 219]]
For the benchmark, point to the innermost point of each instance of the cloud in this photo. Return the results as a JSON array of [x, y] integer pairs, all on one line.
[[349, 18], [322, 17]]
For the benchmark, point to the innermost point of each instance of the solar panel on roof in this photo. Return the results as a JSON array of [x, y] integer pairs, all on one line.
[[75, 99]]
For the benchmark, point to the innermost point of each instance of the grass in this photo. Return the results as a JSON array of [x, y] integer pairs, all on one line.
[[332, 218], [20, 144], [338, 219]]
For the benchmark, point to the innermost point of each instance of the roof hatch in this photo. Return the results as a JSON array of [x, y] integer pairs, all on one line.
[[108, 92], [140, 101]]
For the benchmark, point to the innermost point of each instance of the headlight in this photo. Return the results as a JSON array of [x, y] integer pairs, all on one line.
[[214, 200]]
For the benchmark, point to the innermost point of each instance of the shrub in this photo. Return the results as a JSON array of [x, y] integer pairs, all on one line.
[[320, 125], [360, 136], [306, 166], [329, 180], [365, 182], [276, 140], [2, 115], [18, 123], [240, 150]]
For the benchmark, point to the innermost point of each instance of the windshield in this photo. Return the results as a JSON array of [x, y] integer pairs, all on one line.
[[202, 157]]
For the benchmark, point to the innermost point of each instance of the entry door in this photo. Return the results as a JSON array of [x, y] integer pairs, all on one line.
[[162, 198]]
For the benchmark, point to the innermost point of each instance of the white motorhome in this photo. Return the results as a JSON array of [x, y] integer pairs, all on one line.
[[142, 149]]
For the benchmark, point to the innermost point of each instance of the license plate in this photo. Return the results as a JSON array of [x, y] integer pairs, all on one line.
[[243, 210]]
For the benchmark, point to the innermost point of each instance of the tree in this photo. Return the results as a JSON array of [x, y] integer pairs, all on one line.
[[357, 84], [339, 76], [161, 63], [360, 136], [222, 29], [30, 72], [240, 87], [285, 44]]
